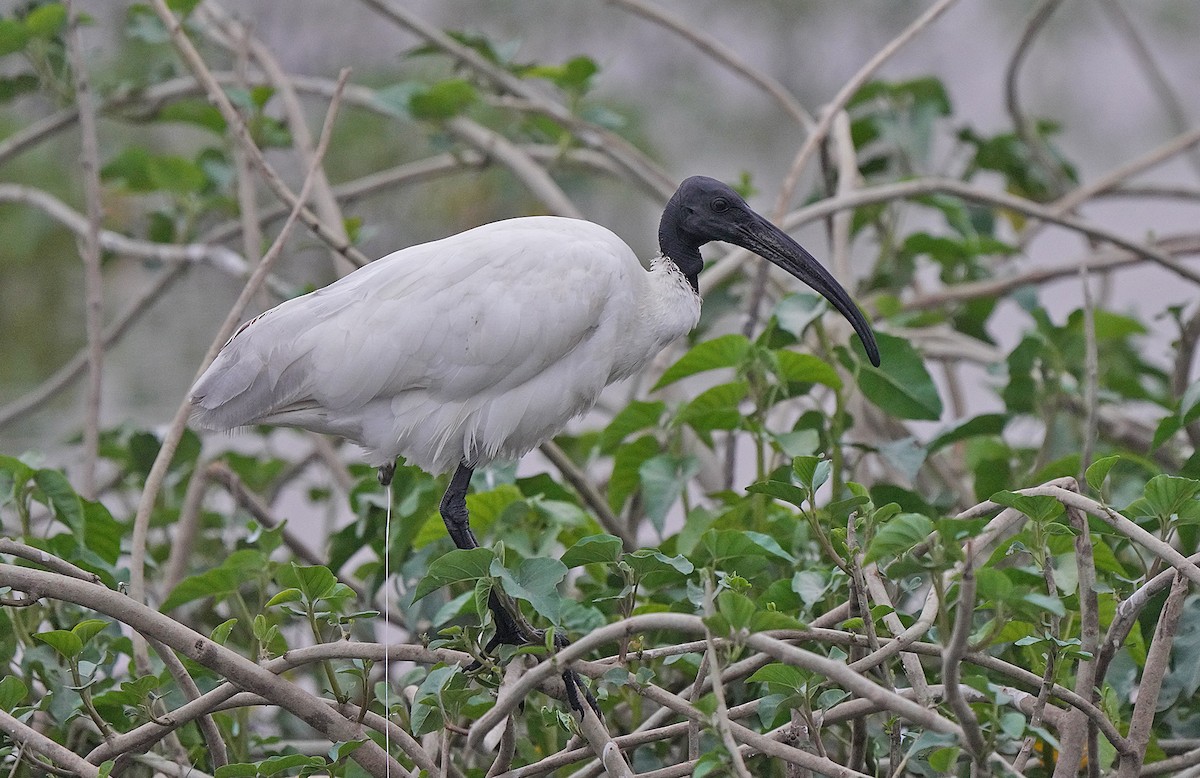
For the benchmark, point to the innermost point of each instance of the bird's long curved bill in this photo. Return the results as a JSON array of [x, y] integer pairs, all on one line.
[[774, 245]]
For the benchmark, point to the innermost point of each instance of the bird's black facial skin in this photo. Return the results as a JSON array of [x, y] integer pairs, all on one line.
[[704, 209]]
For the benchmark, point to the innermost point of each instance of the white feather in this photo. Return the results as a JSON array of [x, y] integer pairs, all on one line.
[[476, 347]]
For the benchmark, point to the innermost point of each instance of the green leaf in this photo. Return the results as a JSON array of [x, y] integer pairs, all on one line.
[[144, 172], [291, 594], [654, 568], [984, 424], [198, 112], [796, 367], [811, 471], [724, 351], [796, 312], [1040, 508], [221, 632], [63, 641], [15, 86], [627, 463], [45, 21], [458, 565], [725, 544], [738, 609], [240, 567], [66, 503], [442, 100], [901, 533], [13, 36], [778, 674], [781, 490], [1167, 495], [339, 751], [664, 478], [13, 692], [102, 533], [592, 549], [716, 408], [536, 581], [943, 759], [316, 582], [901, 386], [636, 416], [88, 629], [1098, 470]]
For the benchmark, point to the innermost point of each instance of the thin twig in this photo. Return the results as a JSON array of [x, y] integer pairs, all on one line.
[[241, 133], [1158, 658], [90, 251], [955, 648], [588, 492], [722, 54]]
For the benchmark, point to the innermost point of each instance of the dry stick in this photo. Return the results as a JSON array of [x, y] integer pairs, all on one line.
[[731, 262], [1171, 765], [326, 204], [213, 740], [758, 742], [934, 185], [588, 492], [223, 661], [1126, 616], [174, 434], [904, 636], [534, 176], [90, 251], [1099, 261], [720, 717], [46, 560], [1158, 80], [721, 54], [636, 738], [70, 372], [633, 162], [955, 649], [220, 257], [248, 213], [1129, 529], [1158, 659], [603, 746], [143, 736], [1086, 679], [187, 527], [233, 121], [60, 756], [837, 672], [791, 181], [1021, 124], [1109, 181], [1091, 372]]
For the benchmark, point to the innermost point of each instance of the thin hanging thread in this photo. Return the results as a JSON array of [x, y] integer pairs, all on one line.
[[387, 599]]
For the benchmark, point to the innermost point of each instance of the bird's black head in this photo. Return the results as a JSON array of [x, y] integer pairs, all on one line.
[[703, 210]]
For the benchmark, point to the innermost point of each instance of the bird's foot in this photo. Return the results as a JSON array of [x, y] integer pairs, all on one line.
[[513, 629], [386, 472]]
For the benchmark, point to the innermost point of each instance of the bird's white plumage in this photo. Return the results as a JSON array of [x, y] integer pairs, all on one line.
[[471, 348]]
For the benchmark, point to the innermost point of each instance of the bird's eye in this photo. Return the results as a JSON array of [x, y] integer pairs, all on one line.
[[720, 205]]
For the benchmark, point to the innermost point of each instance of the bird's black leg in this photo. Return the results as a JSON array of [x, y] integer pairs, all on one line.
[[454, 508], [511, 626]]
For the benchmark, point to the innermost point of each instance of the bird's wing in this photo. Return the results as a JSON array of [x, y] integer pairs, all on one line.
[[482, 311]]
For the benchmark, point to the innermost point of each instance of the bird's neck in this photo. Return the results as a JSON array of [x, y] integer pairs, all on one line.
[[679, 248]]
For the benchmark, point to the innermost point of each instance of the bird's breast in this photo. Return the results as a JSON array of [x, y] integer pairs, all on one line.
[[668, 308]]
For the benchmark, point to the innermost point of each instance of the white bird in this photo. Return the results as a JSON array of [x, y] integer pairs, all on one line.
[[483, 345]]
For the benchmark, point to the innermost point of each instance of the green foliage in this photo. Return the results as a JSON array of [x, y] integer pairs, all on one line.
[[762, 476]]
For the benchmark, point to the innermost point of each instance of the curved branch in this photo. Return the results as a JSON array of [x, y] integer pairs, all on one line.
[[221, 660]]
